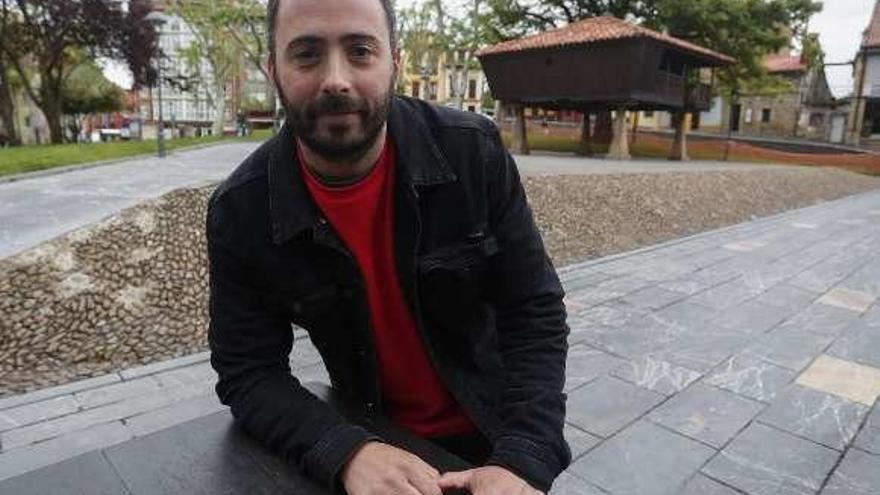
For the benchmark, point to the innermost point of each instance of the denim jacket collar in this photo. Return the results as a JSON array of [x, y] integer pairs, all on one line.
[[419, 163]]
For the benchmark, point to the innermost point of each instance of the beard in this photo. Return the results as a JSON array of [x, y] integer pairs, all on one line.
[[342, 142]]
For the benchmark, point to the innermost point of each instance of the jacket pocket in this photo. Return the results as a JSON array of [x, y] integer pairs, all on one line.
[[453, 279]]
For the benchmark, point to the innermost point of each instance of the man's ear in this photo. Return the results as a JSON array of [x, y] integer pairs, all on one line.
[[395, 56], [270, 65]]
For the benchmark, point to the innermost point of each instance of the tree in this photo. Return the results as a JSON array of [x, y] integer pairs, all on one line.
[[208, 21], [247, 26], [86, 91], [7, 107], [43, 38]]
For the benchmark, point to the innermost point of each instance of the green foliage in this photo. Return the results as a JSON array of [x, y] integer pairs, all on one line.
[[86, 90]]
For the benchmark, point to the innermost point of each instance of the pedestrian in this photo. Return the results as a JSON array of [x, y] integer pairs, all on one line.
[[398, 235]]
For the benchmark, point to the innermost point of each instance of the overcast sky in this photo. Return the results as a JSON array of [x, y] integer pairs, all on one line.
[[839, 25]]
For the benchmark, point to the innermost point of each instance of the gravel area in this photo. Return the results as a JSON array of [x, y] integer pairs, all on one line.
[[132, 289], [590, 216]]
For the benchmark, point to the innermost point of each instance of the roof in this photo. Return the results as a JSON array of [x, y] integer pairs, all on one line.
[[784, 63], [597, 30], [871, 38]]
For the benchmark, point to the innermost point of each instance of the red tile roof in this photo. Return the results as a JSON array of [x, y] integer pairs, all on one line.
[[871, 38], [784, 63], [595, 30]]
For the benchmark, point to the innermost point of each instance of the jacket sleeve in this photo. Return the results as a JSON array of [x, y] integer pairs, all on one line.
[[250, 340], [532, 333]]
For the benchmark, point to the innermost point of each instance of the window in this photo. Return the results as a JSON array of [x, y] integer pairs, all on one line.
[[816, 120], [649, 114], [765, 116], [472, 89]]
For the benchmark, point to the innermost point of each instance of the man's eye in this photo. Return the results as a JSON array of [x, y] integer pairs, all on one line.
[[305, 54], [361, 51]]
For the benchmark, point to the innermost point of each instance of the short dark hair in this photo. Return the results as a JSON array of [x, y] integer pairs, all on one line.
[[272, 15]]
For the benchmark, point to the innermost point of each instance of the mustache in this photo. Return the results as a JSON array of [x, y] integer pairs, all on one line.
[[336, 103]]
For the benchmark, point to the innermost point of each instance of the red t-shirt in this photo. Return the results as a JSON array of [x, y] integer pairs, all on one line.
[[363, 215]]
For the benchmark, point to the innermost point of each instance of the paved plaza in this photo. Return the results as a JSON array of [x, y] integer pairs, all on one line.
[[34, 210], [38, 208], [742, 360]]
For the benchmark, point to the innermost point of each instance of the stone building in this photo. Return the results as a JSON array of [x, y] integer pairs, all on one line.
[[864, 125], [803, 111], [442, 79]]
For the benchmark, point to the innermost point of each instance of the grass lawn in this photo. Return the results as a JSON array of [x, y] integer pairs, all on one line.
[[31, 158]]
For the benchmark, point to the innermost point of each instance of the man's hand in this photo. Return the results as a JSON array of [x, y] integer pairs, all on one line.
[[380, 469], [487, 480]]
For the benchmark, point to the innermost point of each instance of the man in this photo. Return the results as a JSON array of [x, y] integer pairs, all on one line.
[[398, 235]]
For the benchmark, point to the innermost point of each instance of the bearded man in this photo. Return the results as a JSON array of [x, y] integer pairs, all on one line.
[[398, 235]]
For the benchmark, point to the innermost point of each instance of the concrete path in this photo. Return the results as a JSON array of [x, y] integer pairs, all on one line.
[[35, 210], [742, 360]]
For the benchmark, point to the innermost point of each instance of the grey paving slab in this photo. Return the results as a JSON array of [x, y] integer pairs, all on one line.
[[33, 457], [652, 298], [687, 314], [726, 295], [685, 285], [58, 391], [169, 364], [647, 335], [115, 411], [199, 373], [857, 474], [865, 279], [819, 319], [27, 414], [569, 484], [38, 209], [56, 479], [868, 439], [823, 418], [174, 414], [611, 314], [701, 485], [859, 342], [579, 441], [584, 364], [652, 373], [118, 391], [708, 414], [766, 461], [752, 317], [750, 377], [702, 350], [643, 459], [789, 349], [789, 297], [608, 404]]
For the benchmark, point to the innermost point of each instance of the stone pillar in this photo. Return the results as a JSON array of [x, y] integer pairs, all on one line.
[[585, 146], [619, 149], [679, 146], [520, 143]]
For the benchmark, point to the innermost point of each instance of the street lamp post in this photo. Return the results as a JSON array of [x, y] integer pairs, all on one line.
[[159, 19]]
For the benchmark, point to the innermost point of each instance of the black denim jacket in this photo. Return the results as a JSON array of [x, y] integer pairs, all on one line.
[[472, 267]]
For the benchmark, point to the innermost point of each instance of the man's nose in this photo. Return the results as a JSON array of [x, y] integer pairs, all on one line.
[[337, 77]]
